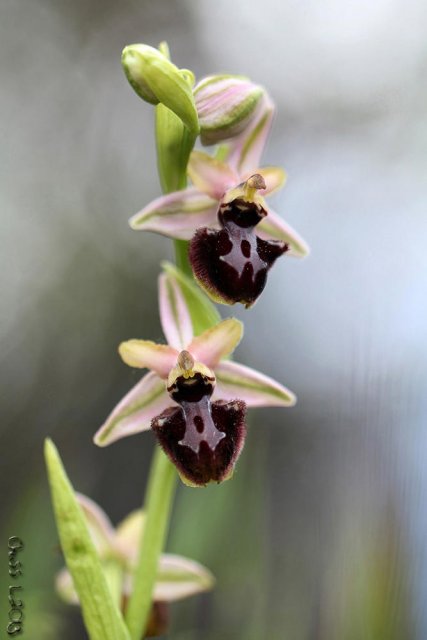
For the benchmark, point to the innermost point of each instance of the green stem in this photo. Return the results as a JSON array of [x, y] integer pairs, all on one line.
[[181, 257], [158, 505]]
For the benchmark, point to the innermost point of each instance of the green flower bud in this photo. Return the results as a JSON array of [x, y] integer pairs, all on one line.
[[225, 105], [157, 80]]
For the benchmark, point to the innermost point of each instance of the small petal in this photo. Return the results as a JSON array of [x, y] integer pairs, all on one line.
[[274, 227], [65, 587], [217, 342], [134, 413], [254, 388], [99, 524], [145, 354], [174, 314], [177, 214], [180, 577], [210, 175], [128, 536], [246, 150], [274, 178]]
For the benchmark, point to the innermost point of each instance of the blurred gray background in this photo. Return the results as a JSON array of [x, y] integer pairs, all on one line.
[[322, 533]]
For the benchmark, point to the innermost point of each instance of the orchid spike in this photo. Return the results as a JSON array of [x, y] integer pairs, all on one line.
[[177, 577], [180, 213], [190, 377]]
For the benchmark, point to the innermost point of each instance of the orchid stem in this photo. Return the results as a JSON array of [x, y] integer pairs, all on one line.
[[158, 505], [174, 145], [181, 257]]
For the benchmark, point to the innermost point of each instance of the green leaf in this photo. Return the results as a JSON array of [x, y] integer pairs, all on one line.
[[101, 615], [203, 313]]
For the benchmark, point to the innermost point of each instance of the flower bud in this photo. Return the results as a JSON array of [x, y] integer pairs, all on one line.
[[156, 79], [226, 105]]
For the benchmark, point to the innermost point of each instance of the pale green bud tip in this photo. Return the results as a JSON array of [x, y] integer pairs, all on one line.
[[157, 80], [225, 106], [135, 58]]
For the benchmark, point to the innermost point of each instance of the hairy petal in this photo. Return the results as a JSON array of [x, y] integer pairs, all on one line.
[[273, 227], [210, 175], [177, 214], [255, 389], [135, 411], [174, 313], [180, 577], [145, 354], [217, 342]]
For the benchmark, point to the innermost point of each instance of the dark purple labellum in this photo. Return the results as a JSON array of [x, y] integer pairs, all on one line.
[[231, 264], [202, 438], [158, 622]]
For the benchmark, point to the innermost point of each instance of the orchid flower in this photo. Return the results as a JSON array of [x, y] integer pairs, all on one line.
[[177, 577], [231, 264], [180, 213], [201, 437]]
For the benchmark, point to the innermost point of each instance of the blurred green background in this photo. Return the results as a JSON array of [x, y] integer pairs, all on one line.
[[321, 534]]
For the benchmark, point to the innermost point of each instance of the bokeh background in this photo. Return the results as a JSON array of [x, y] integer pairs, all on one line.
[[322, 533]]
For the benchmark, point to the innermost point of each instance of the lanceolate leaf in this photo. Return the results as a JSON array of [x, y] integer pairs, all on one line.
[[102, 617]]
